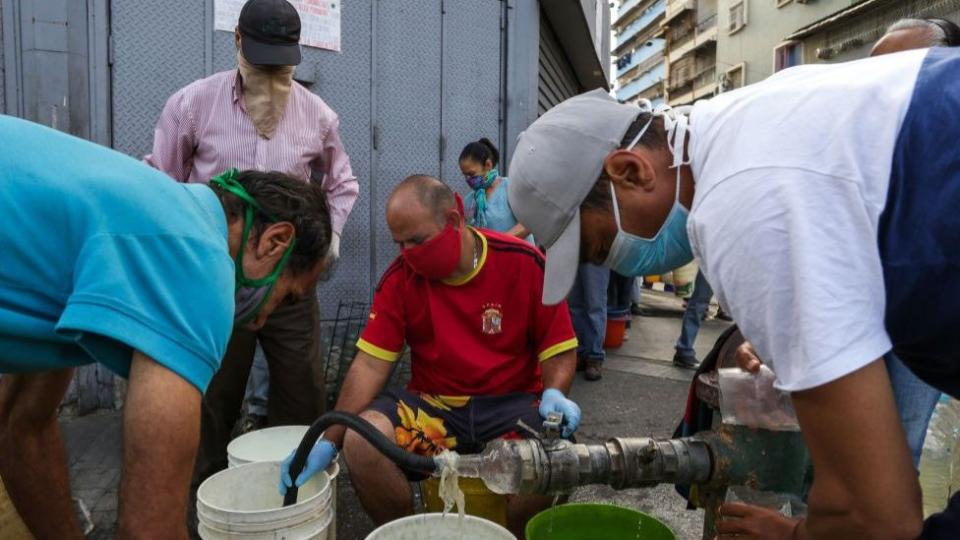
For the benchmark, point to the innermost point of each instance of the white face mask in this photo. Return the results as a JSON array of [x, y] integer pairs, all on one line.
[[632, 255]]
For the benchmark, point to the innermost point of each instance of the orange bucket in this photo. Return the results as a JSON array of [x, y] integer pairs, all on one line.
[[616, 328]]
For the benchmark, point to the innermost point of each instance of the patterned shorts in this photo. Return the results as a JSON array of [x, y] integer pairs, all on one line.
[[427, 424]]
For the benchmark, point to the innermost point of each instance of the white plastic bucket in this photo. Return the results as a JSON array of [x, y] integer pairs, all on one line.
[[437, 525], [243, 502], [270, 444], [275, 444]]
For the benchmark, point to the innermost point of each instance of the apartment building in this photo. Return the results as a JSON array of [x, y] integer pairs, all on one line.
[[850, 31], [751, 36], [690, 32], [638, 50]]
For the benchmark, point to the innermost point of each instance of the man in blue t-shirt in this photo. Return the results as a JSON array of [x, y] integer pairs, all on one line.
[[104, 259]]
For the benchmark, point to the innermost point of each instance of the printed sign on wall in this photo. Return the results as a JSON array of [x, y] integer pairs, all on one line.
[[319, 20]]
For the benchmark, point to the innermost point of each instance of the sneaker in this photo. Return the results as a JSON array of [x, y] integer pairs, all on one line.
[[247, 423], [593, 373], [581, 363], [685, 361]]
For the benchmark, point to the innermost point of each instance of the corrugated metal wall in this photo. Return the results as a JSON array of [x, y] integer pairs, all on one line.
[[557, 80], [416, 80], [407, 90], [472, 87], [408, 73], [51, 66], [3, 67], [159, 47]]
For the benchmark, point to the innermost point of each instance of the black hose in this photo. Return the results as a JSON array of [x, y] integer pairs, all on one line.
[[405, 460]]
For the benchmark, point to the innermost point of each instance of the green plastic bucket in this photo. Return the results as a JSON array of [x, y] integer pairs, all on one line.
[[596, 522]]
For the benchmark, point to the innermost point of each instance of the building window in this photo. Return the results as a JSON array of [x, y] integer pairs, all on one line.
[[738, 16], [787, 54], [735, 77]]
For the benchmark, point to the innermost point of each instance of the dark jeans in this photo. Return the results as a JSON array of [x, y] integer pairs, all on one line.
[[620, 292], [588, 309], [291, 342], [915, 403], [693, 316]]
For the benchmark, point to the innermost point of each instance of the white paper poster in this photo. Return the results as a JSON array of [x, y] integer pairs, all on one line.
[[319, 20]]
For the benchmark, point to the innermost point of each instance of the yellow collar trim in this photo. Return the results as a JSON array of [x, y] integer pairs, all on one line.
[[463, 280]]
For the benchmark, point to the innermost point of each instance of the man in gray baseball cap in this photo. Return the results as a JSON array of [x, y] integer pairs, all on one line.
[[564, 162], [781, 190]]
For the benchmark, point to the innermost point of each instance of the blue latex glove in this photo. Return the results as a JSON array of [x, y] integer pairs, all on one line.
[[553, 400], [321, 455]]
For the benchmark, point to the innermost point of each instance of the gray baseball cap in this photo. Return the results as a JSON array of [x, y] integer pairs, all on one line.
[[555, 164]]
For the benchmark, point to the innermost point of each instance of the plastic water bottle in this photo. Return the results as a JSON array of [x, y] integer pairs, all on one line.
[[499, 466]]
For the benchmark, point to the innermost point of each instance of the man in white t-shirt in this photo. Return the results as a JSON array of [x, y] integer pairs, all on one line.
[[822, 205]]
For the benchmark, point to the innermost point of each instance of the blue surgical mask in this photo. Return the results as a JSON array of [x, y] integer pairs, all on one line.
[[632, 255]]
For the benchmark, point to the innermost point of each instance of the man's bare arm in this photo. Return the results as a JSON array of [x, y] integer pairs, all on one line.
[[33, 460], [865, 486], [365, 379], [558, 371], [161, 429]]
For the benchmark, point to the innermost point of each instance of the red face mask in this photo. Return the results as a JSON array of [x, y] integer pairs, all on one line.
[[438, 257]]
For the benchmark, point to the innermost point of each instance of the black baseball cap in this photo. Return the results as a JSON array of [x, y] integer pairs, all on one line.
[[270, 33]]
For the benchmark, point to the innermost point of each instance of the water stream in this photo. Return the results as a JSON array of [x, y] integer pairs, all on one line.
[[450, 492]]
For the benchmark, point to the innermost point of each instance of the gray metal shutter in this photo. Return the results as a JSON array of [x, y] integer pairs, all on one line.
[[54, 61], [159, 48], [557, 79], [396, 92], [471, 69], [3, 68]]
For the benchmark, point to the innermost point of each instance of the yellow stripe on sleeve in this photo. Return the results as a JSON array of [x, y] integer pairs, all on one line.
[[377, 352], [561, 347]]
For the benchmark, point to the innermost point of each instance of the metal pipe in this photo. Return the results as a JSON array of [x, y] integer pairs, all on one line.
[[560, 466]]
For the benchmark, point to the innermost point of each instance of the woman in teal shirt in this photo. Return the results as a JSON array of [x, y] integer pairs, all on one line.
[[488, 206]]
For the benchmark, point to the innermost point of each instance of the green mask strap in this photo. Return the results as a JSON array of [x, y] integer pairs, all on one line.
[[272, 279], [228, 181]]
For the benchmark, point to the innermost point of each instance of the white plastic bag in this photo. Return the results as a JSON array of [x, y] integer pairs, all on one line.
[[750, 400], [940, 460], [787, 504]]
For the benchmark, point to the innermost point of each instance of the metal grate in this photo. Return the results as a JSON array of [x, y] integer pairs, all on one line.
[[339, 336]]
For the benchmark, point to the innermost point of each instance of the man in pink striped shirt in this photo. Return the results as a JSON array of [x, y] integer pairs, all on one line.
[[257, 117]]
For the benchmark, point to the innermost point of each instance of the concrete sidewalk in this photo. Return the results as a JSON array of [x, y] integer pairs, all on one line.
[[641, 394]]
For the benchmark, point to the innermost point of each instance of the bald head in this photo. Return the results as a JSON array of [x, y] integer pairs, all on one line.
[[422, 194], [909, 34], [419, 207]]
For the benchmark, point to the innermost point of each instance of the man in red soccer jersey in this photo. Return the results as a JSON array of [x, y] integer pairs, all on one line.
[[486, 354]]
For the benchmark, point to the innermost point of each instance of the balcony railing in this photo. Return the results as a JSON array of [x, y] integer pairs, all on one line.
[[649, 64], [707, 24], [641, 54], [641, 83], [642, 22], [679, 81], [676, 7], [684, 75], [679, 40], [626, 6], [706, 77], [705, 32]]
